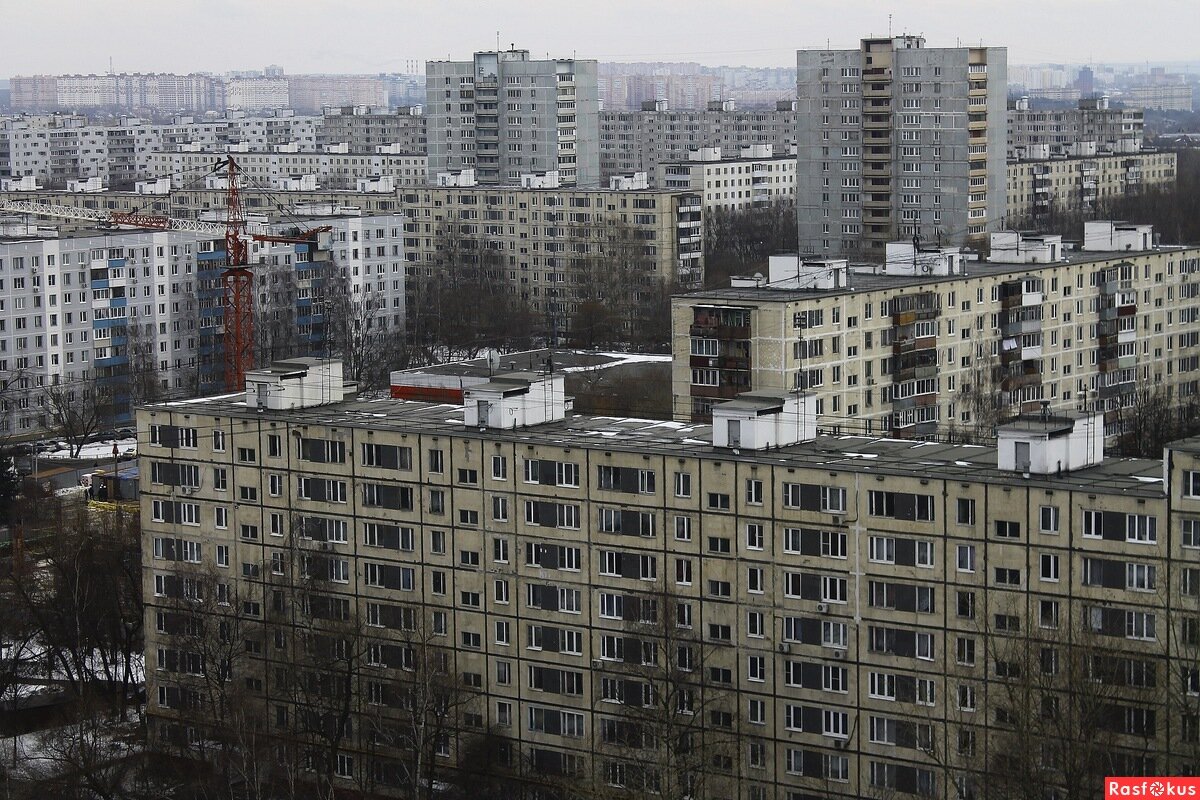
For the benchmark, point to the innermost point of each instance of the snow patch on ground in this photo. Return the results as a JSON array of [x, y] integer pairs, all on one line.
[[96, 451]]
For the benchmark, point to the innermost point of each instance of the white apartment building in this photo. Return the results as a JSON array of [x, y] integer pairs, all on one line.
[[256, 94], [57, 148], [336, 168], [111, 306], [749, 177]]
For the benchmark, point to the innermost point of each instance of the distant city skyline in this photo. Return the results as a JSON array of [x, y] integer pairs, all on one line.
[[319, 36]]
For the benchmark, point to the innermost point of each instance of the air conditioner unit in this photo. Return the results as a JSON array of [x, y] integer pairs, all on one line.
[[839, 744], [596, 663], [325, 546], [822, 608], [784, 647], [840, 655]]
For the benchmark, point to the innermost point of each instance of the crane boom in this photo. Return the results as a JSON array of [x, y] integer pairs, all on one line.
[[129, 219]]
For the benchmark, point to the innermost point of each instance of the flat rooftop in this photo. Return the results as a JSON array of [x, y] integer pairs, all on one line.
[[861, 454], [866, 281], [532, 361]]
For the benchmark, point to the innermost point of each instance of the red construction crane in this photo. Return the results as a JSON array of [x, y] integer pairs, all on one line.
[[237, 279]]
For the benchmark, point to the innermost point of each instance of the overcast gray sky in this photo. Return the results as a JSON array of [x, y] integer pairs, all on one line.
[[382, 36]]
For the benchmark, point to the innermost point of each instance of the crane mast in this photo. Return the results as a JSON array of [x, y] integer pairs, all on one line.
[[237, 282]]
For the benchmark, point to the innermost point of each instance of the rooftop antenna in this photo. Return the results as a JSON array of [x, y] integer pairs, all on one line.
[[889, 26]]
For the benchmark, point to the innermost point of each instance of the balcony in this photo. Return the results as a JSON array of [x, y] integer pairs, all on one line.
[[1012, 383], [721, 331], [1020, 326], [724, 392]]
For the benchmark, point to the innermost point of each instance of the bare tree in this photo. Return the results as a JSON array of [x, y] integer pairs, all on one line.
[[1051, 719], [86, 604], [78, 411], [674, 735], [982, 394], [141, 372], [738, 242]]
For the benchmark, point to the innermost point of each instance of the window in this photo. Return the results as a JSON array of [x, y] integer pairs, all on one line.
[[754, 492], [1141, 577], [1190, 534], [833, 500], [833, 544], [754, 536], [1139, 625], [1191, 483], [833, 590], [1049, 567], [718, 501], [966, 511], [499, 468], [882, 549], [436, 461], [683, 484], [1048, 614], [1007, 529], [882, 686], [683, 528], [966, 605], [246, 455], [1008, 577], [754, 580], [1049, 519], [1141, 528], [964, 651]]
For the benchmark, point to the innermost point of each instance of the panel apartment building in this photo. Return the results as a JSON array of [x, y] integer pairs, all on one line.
[[1094, 120], [547, 238], [638, 141], [843, 616], [897, 140], [750, 177], [929, 343], [1041, 189], [506, 115], [335, 167], [140, 312]]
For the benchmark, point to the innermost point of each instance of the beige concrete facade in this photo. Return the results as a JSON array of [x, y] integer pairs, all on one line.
[[854, 596], [546, 237], [919, 355], [1077, 186]]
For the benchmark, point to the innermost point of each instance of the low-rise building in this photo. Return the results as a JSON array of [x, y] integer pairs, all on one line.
[[929, 342], [1080, 185], [750, 177], [336, 168]]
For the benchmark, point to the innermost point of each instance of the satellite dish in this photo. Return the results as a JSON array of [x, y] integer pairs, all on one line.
[[493, 360]]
